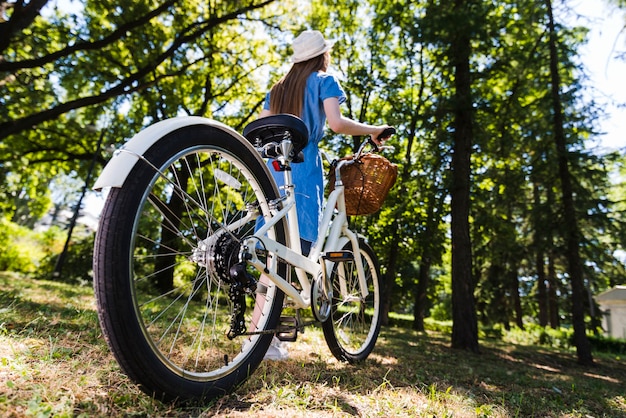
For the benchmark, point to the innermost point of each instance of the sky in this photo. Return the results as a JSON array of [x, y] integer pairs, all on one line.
[[607, 38]]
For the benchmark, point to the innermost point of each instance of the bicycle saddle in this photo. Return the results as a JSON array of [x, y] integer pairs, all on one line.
[[273, 128]]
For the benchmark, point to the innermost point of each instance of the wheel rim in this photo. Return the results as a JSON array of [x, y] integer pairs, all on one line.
[[179, 234], [354, 317]]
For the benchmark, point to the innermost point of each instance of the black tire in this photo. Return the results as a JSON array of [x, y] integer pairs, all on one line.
[[161, 263], [352, 329]]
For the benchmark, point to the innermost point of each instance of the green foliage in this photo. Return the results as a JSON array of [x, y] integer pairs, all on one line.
[[607, 344], [443, 326], [119, 67], [540, 336], [77, 262], [23, 199], [36, 254], [21, 249], [561, 338]]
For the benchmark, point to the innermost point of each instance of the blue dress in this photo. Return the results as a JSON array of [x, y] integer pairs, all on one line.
[[308, 177]]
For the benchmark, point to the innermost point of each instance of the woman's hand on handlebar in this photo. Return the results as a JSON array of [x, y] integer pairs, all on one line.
[[382, 134], [376, 139]]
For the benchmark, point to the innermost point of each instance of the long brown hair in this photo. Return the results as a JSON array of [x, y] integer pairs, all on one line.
[[287, 95]]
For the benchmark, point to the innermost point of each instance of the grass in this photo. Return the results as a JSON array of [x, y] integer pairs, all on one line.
[[54, 362]]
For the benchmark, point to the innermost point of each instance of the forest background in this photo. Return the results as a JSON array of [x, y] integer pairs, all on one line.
[[506, 213]]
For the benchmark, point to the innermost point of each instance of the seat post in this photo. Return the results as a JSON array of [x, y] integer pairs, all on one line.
[[286, 148]]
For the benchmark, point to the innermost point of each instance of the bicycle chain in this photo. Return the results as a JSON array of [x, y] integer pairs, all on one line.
[[299, 327], [243, 283]]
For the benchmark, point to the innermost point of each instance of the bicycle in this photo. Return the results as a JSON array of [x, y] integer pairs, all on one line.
[[195, 250]]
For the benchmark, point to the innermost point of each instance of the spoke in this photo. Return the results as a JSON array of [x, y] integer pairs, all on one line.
[[182, 317], [199, 337], [168, 223], [185, 201], [180, 296], [155, 273], [182, 194], [152, 241], [179, 243]]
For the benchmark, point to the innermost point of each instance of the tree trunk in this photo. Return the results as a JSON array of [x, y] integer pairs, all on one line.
[[572, 232], [429, 250], [554, 317], [419, 310], [166, 259], [542, 289], [386, 287], [517, 302], [553, 297], [538, 243], [464, 325]]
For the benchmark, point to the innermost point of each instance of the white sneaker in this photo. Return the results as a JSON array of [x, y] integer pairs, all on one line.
[[276, 351]]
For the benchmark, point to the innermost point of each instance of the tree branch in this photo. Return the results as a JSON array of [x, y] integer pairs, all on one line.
[[23, 15], [127, 85]]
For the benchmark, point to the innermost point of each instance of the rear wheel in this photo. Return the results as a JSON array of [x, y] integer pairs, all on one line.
[[165, 246], [352, 329]]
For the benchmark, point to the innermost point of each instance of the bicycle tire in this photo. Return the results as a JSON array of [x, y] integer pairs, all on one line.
[[161, 258], [352, 329]]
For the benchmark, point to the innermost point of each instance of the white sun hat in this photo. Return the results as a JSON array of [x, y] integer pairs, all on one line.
[[309, 44]]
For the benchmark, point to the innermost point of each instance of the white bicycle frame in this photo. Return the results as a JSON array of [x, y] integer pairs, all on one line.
[[333, 234]]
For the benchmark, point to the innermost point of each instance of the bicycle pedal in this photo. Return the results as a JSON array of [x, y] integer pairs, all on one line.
[[287, 329], [338, 256]]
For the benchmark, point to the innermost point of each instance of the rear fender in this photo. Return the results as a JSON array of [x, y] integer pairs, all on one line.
[[124, 159]]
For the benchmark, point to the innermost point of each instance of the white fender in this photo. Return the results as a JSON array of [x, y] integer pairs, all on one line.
[[124, 159]]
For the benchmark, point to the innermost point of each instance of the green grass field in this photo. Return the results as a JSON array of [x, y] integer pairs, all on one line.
[[54, 362]]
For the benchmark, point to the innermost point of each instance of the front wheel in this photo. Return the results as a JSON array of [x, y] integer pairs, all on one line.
[[354, 323]]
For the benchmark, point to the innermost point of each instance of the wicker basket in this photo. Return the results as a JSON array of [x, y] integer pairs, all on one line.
[[367, 183]]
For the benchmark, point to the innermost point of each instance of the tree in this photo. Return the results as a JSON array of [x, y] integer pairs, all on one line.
[[60, 52], [465, 327], [385, 67], [130, 65], [465, 83], [572, 232]]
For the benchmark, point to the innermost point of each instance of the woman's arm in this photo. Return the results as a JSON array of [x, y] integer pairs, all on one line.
[[343, 125]]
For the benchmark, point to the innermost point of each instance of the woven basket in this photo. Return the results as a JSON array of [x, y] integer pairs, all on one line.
[[367, 183]]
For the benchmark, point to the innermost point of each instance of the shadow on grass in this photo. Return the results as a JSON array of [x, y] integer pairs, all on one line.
[[515, 380], [41, 311], [407, 369]]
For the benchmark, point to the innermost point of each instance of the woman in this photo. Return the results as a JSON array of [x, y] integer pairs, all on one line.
[[309, 92]]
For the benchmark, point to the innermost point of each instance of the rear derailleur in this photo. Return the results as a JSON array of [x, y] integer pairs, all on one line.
[[241, 283]]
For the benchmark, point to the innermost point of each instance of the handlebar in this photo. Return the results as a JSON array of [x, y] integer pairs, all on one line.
[[377, 148], [387, 133]]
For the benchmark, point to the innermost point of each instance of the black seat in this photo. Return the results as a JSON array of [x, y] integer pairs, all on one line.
[[272, 129]]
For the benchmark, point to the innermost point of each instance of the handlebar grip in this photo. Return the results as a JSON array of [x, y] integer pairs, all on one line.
[[387, 133], [384, 134]]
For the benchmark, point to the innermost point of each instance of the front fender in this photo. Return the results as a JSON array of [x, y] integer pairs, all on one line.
[[124, 159]]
